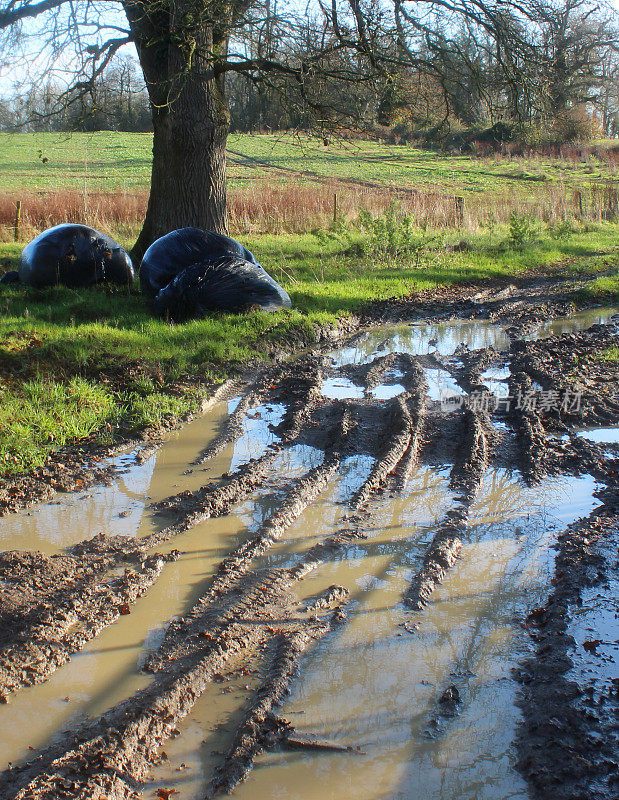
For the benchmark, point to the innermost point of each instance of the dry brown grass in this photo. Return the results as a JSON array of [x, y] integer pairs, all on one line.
[[300, 207], [110, 211], [305, 207]]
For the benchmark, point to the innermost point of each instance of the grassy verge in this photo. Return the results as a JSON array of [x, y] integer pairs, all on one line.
[[43, 414], [606, 287], [78, 363], [75, 364], [334, 275]]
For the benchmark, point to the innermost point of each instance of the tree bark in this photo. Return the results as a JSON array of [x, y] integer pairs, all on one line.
[[191, 121], [188, 180]]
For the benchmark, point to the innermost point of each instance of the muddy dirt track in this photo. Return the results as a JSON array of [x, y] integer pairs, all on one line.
[[417, 537]]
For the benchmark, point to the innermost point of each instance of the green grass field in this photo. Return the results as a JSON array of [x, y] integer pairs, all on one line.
[[121, 161], [78, 363]]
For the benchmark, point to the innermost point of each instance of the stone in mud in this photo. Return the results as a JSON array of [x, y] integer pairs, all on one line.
[[191, 273], [450, 696], [73, 255]]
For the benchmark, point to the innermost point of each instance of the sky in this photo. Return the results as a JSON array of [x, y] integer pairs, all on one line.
[[16, 76]]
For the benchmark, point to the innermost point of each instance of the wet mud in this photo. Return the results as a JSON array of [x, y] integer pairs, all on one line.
[[568, 742], [408, 480]]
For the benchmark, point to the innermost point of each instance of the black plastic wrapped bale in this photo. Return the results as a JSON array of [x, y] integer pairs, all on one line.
[[228, 284], [10, 277], [176, 251], [75, 256]]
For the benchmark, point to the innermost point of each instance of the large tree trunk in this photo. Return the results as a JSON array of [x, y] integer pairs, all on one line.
[[191, 122], [188, 181]]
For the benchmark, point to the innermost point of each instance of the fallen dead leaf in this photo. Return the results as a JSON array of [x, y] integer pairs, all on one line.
[[165, 794]]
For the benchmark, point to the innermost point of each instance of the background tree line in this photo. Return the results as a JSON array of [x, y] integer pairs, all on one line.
[[448, 77], [117, 101]]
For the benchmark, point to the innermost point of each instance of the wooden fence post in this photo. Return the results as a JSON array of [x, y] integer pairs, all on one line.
[[458, 211], [334, 209], [597, 202], [610, 212], [578, 198], [17, 219]]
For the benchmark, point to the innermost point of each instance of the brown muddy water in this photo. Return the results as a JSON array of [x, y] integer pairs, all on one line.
[[374, 683]]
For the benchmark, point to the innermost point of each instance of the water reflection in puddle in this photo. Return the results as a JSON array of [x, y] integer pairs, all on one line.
[[372, 683], [441, 384], [444, 338], [387, 391], [422, 338], [121, 507], [495, 380], [596, 620], [578, 321], [601, 435], [257, 433], [340, 388]]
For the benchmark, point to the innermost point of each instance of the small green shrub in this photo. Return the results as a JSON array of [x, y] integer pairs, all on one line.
[[523, 231], [392, 235], [561, 231]]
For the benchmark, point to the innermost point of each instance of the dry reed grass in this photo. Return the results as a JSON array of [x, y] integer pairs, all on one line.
[[301, 207]]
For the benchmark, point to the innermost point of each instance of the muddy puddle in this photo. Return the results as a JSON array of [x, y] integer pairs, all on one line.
[[601, 435], [425, 697], [445, 338], [120, 508], [593, 629], [578, 321], [377, 684]]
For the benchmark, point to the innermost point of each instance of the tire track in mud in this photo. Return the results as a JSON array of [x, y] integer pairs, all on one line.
[[301, 392], [251, 735], [410, 458], [221, 609], [582, 385], [399, 452], [371, 375], [569, 362], [566, 746], [534, 461], [212, 500], [446, 544], [233, 429], [70, 599], [401, 425], [472, 458], [44, 645], [110, 755], [79, 595], [248, 611], [50, 639], [221, 601]]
